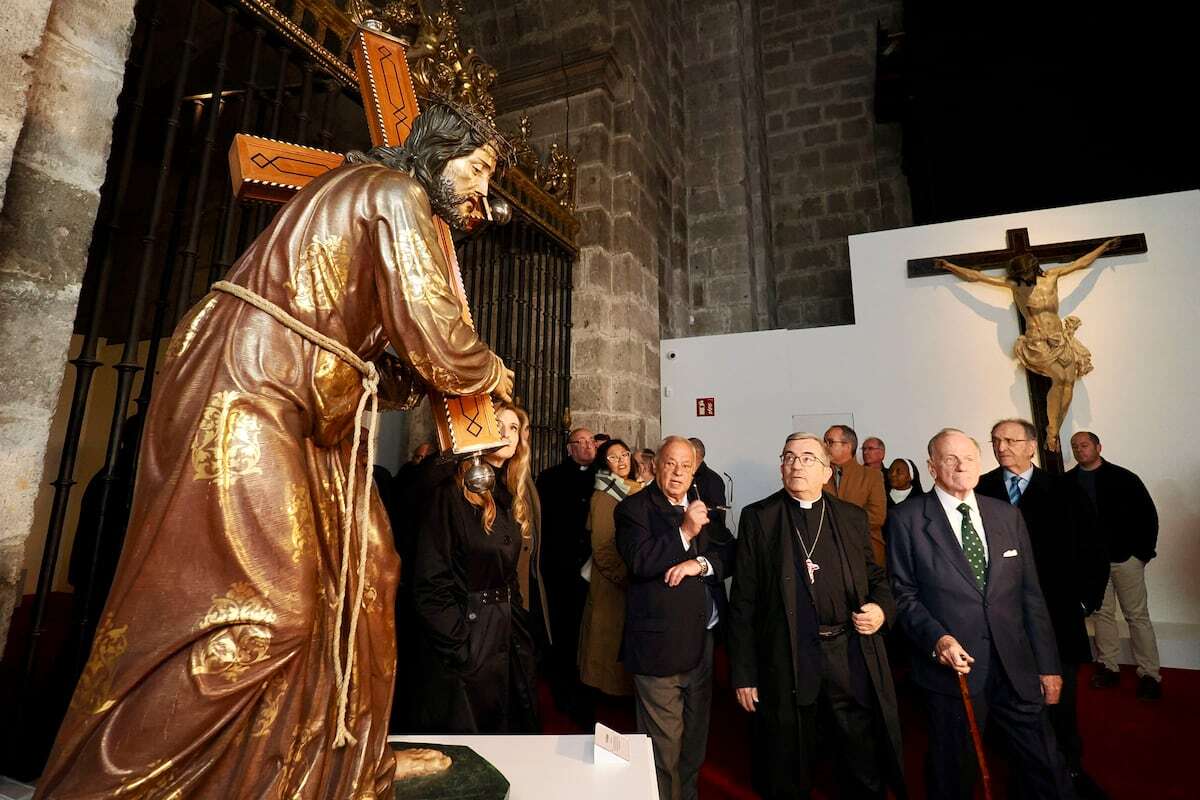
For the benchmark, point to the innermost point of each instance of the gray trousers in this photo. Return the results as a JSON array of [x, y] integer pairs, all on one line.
[[673, 711], [1127, 584]]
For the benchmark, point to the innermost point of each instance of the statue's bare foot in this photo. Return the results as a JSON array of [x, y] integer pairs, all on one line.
[[420, 761]]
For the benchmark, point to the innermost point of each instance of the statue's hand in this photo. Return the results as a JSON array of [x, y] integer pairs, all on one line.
[[504, 389], [1111, 243], [941, 263]]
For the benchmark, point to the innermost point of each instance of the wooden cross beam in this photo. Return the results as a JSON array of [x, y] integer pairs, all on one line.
[[1017, 240], [271, 171], [1018, 244]]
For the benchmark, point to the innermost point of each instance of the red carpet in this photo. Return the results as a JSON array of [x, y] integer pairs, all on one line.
[[1132, 749]]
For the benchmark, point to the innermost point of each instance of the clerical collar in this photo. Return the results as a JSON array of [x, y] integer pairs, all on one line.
[[805, 504]]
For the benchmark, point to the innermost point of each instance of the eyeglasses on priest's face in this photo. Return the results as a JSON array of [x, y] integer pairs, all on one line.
[[997, 441], [804, 459]]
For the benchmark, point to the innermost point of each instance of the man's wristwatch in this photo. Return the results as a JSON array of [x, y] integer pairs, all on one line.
[[704, 567]]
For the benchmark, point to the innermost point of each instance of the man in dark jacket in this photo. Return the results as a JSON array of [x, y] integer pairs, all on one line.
[[1129, 525], [1072, 564], [676, 561], [709, 485], [565, 492], [808, 604], [968, 599]]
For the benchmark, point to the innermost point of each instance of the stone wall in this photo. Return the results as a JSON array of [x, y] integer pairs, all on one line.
[[832, 170], [729, 269], [51, 194], [604, 79]]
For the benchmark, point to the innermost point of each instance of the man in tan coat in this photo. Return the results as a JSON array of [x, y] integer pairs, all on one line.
[[856, 484]]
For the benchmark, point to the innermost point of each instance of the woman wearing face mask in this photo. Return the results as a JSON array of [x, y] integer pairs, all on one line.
[[478, 675], [604, 612]]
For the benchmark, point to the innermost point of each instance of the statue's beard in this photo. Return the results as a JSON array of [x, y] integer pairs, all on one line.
[[445, 203]]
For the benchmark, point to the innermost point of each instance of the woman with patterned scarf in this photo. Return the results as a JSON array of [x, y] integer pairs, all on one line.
[[604, 612]]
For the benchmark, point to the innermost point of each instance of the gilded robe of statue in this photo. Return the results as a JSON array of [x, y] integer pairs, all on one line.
[[212, 672]]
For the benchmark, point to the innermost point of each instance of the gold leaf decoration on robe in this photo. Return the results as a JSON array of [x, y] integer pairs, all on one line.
[[419, 276], [242, 637], [269, 705], [187, 331], [338, 387], [152, 784], [226, 445], [319, 275], [300, 517], [92, 693]]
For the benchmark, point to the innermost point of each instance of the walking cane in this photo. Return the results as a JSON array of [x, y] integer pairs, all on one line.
[[976, 739]]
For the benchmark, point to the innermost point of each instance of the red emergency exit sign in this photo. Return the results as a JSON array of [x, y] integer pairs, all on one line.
[[706, 406]]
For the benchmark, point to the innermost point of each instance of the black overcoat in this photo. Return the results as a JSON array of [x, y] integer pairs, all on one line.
[[763, 645], [1068, 550], [475, 651]]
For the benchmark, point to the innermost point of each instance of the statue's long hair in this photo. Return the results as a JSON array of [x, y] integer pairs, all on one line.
[[516, 471], [1024, 269], [438, 135]]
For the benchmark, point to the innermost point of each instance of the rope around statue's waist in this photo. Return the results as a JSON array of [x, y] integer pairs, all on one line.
[[359, 506]]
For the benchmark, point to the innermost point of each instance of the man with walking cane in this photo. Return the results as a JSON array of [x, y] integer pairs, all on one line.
[[968, 598]]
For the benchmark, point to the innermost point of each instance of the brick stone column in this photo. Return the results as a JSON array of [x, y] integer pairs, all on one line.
[[60, 75], [604, 79]]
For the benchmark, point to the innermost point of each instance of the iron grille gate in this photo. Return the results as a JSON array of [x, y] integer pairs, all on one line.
[[167, 227]]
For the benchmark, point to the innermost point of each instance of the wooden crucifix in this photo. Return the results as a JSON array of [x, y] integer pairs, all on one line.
[[270, 171], [1047, 348]]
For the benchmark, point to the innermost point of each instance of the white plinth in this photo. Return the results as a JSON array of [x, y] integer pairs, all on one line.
[[557, 767]]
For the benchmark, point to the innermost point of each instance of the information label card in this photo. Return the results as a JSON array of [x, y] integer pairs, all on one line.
[[611, 747]]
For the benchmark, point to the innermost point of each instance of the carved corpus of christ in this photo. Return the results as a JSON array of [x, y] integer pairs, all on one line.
[[1048, 346]]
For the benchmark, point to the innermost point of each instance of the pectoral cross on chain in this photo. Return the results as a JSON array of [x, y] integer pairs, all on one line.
[[812, 569]]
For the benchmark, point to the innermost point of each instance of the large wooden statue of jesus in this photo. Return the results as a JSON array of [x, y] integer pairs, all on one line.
[[1048, 346], [247, 648]]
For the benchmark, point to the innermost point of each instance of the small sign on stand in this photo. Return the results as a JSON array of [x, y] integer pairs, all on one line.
[[611, 747]]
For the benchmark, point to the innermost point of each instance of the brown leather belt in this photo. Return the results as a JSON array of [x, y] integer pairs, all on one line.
[[830, 631]]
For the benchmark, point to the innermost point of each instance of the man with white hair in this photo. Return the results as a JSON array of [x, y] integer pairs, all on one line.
[[677, 559], [968, 598]]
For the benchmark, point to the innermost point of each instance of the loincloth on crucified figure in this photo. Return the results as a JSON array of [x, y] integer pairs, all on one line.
[[1057, 356]]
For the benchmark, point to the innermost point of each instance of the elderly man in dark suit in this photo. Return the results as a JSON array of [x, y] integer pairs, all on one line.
[[808, 605], [968, 599], [677, 560], [1072, 564]]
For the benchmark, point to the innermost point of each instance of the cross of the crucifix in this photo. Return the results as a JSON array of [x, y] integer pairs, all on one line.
[[270, 171], [1043, 391]]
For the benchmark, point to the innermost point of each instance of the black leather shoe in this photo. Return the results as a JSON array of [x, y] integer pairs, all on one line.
[[1105, 678], [1149, 689]]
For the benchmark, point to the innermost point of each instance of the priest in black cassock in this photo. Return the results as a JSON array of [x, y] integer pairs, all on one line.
[[808, 609], [565, 492]]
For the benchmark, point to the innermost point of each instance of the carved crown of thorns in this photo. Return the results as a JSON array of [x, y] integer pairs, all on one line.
[[506, 154]]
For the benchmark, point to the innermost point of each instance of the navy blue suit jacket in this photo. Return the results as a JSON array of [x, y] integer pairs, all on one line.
[[664, 626], [936, 594]]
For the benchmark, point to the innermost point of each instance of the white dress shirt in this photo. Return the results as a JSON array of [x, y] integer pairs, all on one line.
[[950, 505]]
